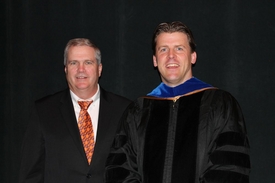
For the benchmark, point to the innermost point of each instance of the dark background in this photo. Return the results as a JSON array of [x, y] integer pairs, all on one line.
[[235, 46]]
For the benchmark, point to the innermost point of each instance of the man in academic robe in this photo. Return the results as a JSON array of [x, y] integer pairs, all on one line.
[[185, 130]]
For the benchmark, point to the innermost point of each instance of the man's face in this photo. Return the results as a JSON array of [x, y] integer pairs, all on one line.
[[82, 70], [173, 58]]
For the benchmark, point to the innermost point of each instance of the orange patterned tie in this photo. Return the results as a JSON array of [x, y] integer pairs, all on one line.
[[86, 129]]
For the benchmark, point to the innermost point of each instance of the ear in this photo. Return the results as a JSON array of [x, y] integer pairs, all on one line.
[[100, 67], [155, 61], [65, 69], [193, 57]]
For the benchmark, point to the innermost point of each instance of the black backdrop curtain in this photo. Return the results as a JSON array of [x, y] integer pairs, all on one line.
[[235, 52]]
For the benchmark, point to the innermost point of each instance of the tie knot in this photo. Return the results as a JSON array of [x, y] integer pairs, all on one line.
[[84, 104]]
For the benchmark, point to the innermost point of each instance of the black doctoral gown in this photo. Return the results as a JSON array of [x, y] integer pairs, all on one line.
[[196, 138]]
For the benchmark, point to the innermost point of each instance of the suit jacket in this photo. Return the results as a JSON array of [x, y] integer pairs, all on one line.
[[52, 150]]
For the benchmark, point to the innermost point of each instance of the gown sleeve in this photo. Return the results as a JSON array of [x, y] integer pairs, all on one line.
[[227, 143], [121, 165]]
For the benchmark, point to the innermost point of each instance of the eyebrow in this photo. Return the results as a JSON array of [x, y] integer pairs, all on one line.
[[165, 46], [180, 45], [81, 60]]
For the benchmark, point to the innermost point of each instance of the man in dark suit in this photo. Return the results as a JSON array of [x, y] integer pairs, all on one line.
[[53, 150]]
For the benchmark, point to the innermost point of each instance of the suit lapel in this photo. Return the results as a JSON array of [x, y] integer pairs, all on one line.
[[105, 118], [105, 127], [68, 114]]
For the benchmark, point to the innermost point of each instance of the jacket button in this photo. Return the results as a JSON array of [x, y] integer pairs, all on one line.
[[89, 175]]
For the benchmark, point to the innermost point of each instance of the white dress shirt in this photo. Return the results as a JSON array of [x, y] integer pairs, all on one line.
[[93, 109]]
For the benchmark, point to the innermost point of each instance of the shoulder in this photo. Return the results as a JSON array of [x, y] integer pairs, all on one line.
[[113, 98], [218, 96], [54, 98], [221, 104], [138, 105]]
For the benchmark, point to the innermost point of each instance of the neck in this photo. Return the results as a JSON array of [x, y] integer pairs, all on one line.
[[85, 94]]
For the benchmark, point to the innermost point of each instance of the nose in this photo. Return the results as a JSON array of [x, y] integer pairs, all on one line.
[[81, 67], [171, 53]]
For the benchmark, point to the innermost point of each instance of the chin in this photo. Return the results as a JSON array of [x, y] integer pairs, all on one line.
[[81, 87]]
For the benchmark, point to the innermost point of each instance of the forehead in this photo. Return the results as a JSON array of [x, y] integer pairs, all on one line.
[[81, 51], [172, 38]]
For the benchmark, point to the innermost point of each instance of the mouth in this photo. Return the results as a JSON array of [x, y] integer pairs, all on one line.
[[172, 65], [81, 77]]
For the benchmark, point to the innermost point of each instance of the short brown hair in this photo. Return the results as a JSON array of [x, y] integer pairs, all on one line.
[[172, 27], [82, 42]]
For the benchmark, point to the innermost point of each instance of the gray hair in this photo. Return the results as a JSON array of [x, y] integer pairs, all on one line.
[[82, 42]]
